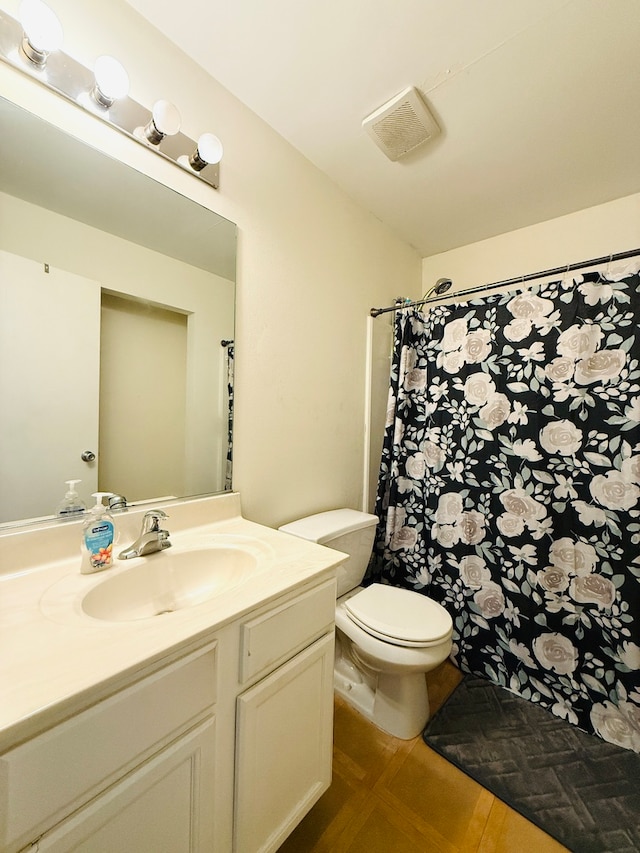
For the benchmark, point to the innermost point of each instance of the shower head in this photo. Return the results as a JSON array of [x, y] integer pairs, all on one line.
[[441, 286]]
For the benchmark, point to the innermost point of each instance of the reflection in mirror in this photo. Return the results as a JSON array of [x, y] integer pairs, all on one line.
[[116, 295]]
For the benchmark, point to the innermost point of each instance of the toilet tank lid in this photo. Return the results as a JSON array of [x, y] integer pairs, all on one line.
[[324, 526]]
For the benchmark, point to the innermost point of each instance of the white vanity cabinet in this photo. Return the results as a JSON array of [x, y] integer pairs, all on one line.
[[221, 746], [132, 772]]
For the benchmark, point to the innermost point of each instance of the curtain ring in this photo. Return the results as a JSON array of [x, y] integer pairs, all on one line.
[[607, 272]]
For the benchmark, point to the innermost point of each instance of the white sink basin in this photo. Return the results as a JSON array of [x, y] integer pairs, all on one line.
[[167, 581]]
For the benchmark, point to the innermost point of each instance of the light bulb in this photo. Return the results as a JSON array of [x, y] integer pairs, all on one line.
[[165, 121], [112, 81], [208, 152], [42, 30]]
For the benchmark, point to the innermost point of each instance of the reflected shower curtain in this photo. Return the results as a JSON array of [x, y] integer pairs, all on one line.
[[228, 485], [509, 490]]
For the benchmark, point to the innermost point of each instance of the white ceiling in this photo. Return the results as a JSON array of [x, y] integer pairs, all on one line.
[[538, 100]]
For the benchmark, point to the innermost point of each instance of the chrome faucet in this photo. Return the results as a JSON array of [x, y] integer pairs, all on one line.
[[152, 538]]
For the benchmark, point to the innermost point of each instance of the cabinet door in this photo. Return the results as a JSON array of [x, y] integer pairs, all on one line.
[[284, 748], [165, 806]]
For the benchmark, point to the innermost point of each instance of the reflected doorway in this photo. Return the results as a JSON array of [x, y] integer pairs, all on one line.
[[143, 375]]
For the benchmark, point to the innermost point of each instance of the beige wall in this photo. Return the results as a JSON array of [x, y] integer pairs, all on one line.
[[591, 233], [310, 265]]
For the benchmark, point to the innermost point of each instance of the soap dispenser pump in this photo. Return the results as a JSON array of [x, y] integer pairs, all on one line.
[[71, 505], [98, 534]]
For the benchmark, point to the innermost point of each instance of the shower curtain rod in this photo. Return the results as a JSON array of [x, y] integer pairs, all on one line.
[[619, 256]]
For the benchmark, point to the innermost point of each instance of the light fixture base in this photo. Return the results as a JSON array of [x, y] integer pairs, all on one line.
[[74, 82], [32, 54]]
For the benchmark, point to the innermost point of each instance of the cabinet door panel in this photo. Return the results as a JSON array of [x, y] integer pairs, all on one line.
[[166, 806], [284, 748]]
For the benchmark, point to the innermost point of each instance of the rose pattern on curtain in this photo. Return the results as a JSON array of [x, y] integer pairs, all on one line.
[[509, 490]]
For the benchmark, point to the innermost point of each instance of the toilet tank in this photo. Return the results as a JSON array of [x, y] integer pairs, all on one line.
[[346, 530]]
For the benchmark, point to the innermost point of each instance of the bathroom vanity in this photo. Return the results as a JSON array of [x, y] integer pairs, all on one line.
[[205, 728]]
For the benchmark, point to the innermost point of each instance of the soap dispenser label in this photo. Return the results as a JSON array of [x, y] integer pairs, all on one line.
[[99, 542]]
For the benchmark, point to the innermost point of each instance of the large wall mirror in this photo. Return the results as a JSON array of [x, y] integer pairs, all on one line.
[[117, 300]]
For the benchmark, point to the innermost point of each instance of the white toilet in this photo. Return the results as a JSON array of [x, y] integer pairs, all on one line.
[[387, 638]]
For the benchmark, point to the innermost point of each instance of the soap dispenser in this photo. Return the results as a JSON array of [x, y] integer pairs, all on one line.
[[71, 505], [98, 534]]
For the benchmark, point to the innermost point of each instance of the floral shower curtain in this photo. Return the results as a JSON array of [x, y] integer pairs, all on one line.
[[509, 490]]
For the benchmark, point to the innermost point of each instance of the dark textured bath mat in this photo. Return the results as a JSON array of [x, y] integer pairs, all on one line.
[[576, 787]]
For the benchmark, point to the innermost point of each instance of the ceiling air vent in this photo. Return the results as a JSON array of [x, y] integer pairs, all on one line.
[[401, 124]]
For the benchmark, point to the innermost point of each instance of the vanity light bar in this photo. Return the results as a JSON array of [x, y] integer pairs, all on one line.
[[69, 78]]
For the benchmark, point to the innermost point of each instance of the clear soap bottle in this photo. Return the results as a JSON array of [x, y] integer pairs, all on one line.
[[71, 506]]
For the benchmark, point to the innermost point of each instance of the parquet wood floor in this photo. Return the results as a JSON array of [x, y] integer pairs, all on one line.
[[396, 796]]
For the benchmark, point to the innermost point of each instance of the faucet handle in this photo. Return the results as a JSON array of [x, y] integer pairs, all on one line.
[[151, 520]]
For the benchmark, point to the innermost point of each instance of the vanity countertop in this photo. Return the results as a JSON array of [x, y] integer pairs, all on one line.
[[55, 659]]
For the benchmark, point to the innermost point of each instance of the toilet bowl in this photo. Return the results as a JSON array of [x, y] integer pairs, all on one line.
[[387, 638]]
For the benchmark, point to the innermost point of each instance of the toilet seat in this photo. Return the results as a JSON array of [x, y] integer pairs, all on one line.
[[399, 616]]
